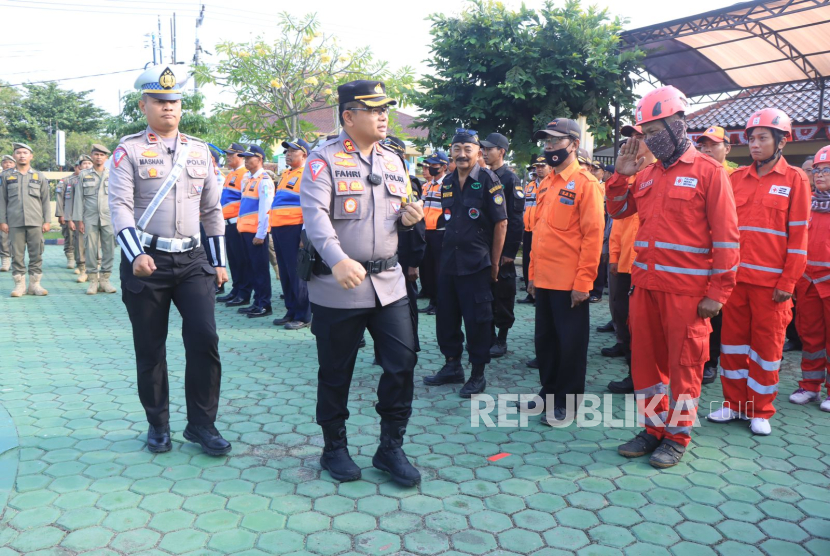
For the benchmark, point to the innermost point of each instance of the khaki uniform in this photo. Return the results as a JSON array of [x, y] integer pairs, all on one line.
[[346, 216], [78, 239], [25, 207], [90, 206], [68, 244]]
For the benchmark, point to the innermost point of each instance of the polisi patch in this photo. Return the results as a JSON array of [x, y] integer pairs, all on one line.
[[316, 166], [685, 182], [781, 190]]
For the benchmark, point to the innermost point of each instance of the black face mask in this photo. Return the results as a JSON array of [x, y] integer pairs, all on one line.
[[434, 171], [557, 157]]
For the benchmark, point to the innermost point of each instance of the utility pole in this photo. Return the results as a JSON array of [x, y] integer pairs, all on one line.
[[196, 60], [173, 38], [161, 48]]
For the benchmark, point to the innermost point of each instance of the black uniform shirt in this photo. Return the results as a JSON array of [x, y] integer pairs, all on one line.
[[514, 200], [471, 215]]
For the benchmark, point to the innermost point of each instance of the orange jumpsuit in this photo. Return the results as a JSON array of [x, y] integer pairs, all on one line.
[[813, 317], [687, 248], [772, 218]]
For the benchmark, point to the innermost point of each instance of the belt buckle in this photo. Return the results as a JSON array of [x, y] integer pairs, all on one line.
[[175, 245], [375, 267]]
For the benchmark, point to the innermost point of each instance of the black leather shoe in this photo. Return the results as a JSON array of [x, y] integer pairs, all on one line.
[[158, 439], [527, 299], [594, 299], [246, 310], [532, 363], [710, 374], [282, 321], [226, 298], [624, 386], [476, 384], [391, 458], [336, 459], [559, 414], [617, 350], [642, 444], [260, 312], [451, 373], [427, 309], [208, 438], [237, 302], [607, 327], [296, 325], [668, 454], [498, 349]]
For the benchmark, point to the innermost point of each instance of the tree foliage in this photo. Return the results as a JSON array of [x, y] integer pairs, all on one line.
[[511, 72], [131, 119], [276, 82]]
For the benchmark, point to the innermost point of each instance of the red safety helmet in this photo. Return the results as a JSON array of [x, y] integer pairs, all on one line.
[[661, 103], [823, 156], [772, 118]]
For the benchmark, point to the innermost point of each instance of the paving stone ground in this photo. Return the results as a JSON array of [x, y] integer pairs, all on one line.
[[75, 477]]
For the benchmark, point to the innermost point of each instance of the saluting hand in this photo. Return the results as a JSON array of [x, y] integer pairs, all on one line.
[[412, 213], [144, 266], [349, 273], [221, 276], [627, 162]]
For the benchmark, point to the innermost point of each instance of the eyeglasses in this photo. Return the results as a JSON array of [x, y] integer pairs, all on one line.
[[823, 171], [555, 141], [377, 111], [462, 131]]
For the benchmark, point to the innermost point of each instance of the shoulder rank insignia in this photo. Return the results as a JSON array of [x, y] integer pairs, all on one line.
[[349, 146]]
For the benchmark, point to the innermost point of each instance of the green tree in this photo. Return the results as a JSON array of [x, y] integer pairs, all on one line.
[[499, 70], [276, 82], [45, 108], [131, 119]]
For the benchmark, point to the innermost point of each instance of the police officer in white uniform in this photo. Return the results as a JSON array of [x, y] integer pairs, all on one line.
[[161, 184]]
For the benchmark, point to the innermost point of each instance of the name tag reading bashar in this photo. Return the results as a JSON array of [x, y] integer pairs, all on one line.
[[782, 190], [685, 182]]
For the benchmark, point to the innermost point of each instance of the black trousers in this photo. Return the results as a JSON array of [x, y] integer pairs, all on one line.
[[470, 298], [618, 288], [236, 257], [257, 268], [504, 298], [561, 344], [430, 264], [338, 332], [602, 277], [186, 280], [714, 340], [286, 247], [527, 243], [412, 297]]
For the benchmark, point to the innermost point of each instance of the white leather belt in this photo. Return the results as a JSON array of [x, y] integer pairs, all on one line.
[[231, 220], [169, 245]]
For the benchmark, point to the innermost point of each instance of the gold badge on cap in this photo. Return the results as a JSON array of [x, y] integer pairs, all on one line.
[[379, 89], [167, 79]]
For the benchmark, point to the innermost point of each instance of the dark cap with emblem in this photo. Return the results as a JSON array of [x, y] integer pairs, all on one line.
[[99, 148], [297, 145], [562, 127], [465, 136], [369, 93], [235, 148], [538, 160], [438, 157], [253, 150], [583, 157], [162, 82], [496, 140], [395, 144]]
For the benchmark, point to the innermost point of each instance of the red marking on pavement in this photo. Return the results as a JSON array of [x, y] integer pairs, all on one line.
[[382, 548], [497, 457]]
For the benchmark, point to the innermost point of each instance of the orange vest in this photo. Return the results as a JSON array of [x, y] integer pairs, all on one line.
[[232, 194], [285, 210], [432, 206], [529, 216], [249, 206]]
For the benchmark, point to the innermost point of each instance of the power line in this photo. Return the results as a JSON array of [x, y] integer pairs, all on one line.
[[72, 78]]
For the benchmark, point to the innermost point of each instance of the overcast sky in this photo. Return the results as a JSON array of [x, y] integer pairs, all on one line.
[[59, 39]]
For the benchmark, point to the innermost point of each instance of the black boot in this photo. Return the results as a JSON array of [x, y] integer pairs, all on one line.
[[208, 438], [624, 386], [391, 458], [499, 347], [451, 373], [336, 459], [158, 439], [476, 384]]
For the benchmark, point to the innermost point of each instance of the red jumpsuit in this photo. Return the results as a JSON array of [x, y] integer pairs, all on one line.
[[772, 219], [813, 316], [687, 249]]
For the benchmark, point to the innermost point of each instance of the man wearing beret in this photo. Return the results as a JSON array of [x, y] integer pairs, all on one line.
[[25, 215], [79, 239], [5, 247], [476, 224], [355, 199], [91, 213]]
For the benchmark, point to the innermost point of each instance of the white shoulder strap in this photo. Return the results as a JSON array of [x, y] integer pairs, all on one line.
[[178, 166]]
